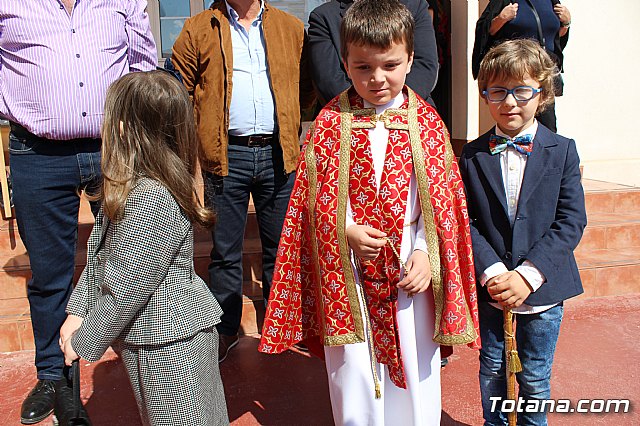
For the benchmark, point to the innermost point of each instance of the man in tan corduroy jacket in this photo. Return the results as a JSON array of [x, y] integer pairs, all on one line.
[[242, 62]]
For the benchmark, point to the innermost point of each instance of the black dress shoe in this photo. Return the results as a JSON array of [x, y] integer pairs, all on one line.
[[39, 403], [65, 409]]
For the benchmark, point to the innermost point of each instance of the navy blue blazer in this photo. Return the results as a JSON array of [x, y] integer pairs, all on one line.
[[550, 218]]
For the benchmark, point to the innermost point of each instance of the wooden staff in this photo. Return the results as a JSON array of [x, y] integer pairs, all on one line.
[[513, 362], [4, 183]]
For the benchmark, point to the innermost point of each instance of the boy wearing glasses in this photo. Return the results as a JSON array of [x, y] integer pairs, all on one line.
[[527, 214]]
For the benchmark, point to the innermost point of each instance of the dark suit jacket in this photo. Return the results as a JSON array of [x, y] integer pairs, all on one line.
[[329, 75], [550, 219]]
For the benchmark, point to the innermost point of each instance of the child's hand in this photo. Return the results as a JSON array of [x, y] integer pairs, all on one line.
[[70, 354], [509, 289], [418, 275], [365, 241], [71, 324]]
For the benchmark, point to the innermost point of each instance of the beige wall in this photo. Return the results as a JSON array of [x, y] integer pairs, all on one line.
[[470, 117], [600, 108], [464, 104]]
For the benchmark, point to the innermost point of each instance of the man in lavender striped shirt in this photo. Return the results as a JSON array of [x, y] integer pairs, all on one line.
[[57, 58]]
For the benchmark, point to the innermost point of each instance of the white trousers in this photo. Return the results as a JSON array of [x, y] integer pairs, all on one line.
[[351, 385]]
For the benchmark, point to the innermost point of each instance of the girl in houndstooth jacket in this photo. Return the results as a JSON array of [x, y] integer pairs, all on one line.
[[139, 291]]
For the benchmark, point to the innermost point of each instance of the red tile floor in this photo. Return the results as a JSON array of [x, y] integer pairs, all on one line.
[[597, 357]]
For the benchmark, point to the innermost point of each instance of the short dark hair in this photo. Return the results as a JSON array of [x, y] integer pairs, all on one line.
[[378, 23], [515, 59]]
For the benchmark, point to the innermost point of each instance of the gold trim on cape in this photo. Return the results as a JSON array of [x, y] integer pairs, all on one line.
[[419, 166], [470, 334], [312, 178], [346, 122]]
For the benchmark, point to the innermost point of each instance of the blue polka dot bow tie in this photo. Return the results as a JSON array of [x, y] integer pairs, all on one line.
[[522, 144]]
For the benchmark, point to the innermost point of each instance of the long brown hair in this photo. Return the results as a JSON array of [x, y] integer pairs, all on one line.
[[149, 131]]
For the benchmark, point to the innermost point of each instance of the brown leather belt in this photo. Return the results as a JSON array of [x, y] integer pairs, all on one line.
[[253, 141]]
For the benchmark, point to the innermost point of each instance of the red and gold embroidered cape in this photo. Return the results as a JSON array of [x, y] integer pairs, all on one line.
[[313, 294]]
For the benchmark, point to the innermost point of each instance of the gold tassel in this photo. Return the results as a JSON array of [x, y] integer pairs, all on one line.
[[515, 366], [378, 393]]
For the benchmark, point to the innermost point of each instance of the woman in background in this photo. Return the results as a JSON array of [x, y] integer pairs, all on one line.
[[546, 21]]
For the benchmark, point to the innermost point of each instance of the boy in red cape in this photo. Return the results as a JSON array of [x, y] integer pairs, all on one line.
[[375, 255]]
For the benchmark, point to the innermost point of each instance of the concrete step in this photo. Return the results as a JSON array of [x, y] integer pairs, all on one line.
[[605, 197], [611, 231], [16, 333], [609, 253], [609, 272], [14, 252]]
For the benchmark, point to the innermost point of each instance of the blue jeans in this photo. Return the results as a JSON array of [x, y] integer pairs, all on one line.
[[536, 337], [258, 172], [47, 178]]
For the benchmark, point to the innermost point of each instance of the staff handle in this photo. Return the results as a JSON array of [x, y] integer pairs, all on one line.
[[513, 361], [6, 200]]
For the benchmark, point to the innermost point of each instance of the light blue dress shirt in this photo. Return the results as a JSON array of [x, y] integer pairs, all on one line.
[[252, 109]]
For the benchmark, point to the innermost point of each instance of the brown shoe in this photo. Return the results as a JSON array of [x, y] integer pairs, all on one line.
[[225, 344]]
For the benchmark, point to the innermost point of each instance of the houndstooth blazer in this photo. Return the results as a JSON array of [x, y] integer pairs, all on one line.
[[139, 285]]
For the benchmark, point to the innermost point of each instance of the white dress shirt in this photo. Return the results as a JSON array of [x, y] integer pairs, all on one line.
[[252, 109]]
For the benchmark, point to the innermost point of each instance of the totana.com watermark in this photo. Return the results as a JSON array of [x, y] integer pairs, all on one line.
[[560, 405]]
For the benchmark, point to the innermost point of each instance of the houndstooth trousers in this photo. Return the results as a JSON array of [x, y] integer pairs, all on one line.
[[178, 383]]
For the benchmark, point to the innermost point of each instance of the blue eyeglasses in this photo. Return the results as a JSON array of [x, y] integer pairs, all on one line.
[[520, 93]]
